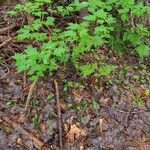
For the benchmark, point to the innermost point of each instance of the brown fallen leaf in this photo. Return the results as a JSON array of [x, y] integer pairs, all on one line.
[[77, 96], [62, 105], [104, 101], [19, 141], [42, 127], [74, 133]]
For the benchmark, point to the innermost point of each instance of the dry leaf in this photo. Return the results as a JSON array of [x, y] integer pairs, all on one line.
[[81, 147], [22, 118], [62, 105], [74, 133], [42, 127], [20, 141], [104, 101], [103, 125], [77, 96]]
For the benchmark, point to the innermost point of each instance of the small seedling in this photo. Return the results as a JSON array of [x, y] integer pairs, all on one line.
[[9, 104], [36, 121], [36, 103], [138, 101], [96, 106], [147, 92], [69, 105], [81, 108], [1, 59], [137, 77], [106, 70], [71, 84], [50, 97]]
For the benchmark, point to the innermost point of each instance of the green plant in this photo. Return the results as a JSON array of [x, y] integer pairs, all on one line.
[[50, 97], [128, 31], [57, 51], [81, 108], [71, 84], [36, 103], [106, 69], [1, 59], [138, 101], [36, 121], [9, 103], [71, 43], [96, 107], [137, 77], [137, 37], [147, 92]]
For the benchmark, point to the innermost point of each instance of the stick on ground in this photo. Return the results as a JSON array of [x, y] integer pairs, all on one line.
[[59, 115], [6, 42], [23, 113], [24, 132], [30, 95]]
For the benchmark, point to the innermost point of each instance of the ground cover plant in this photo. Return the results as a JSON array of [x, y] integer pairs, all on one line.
[[102, 23]]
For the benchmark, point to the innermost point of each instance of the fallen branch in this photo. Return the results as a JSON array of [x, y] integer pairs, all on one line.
[[23, 131], [59, 115], [30, 94], [6, 42], [23, 113]]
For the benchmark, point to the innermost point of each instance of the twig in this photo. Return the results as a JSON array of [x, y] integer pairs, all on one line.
[[101, 125], [23, 113], [5, 73], [6, 42], [30, 94], [59, 115], [5, 29], [132, 20], [13, 124]]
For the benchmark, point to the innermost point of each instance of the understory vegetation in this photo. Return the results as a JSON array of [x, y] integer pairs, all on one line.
[[75, 74], [63, 34]]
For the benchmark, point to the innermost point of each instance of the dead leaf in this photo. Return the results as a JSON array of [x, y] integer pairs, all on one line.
[[62, 105], [43, 127], [20, 141], [74, 133], [81, 147], [77, 96], [22, 118], [104, 101]]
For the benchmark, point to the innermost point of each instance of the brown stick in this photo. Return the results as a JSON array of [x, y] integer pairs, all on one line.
[[30, 94], [23, 113], [59, 115], [24, 131], [5, 29], [6, 42], [5, 73]]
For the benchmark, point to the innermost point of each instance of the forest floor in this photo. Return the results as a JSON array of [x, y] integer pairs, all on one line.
[[105, 113]]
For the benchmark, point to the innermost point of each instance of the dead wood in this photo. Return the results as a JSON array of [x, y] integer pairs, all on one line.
[[59, 115]]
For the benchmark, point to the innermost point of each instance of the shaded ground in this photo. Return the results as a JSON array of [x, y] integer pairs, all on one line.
[[97, 113]]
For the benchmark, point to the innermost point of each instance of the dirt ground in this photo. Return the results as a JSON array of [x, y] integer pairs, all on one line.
[[107, 113]]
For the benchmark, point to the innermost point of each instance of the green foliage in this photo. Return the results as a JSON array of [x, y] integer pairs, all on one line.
[[138, 101], [147, 92], [88, 69], [1, 59], [106, 70], [96, 107], [81, 108], [36, 121], [71, 84], [99, 26]]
